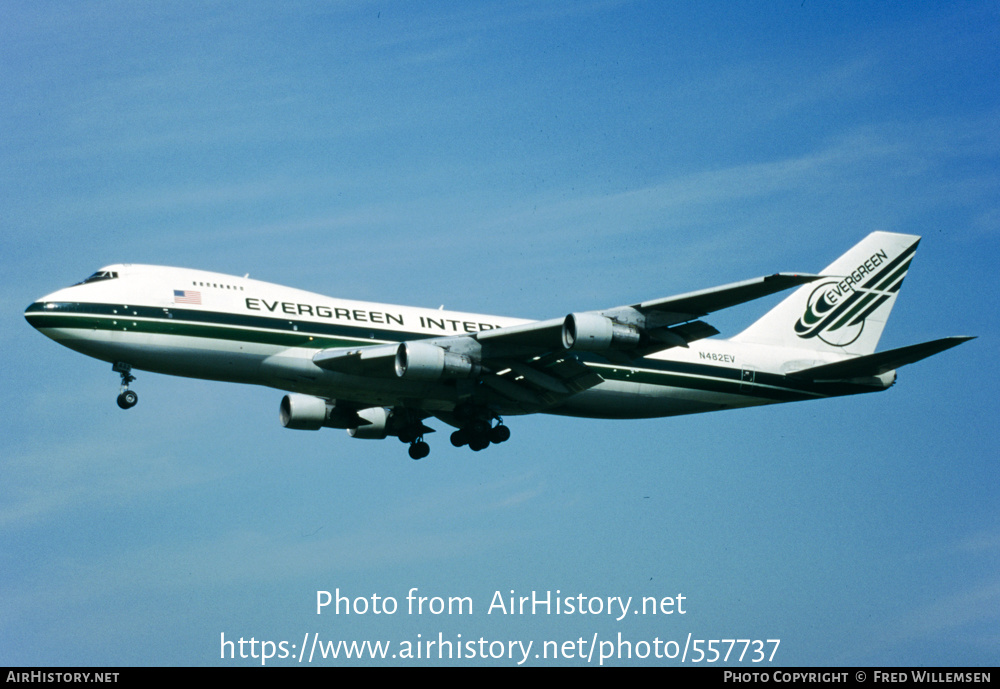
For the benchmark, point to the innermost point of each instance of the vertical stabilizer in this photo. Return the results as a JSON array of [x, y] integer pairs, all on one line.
[[844, 312]]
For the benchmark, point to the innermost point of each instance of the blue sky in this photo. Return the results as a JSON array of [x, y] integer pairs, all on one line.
[[518, 159]]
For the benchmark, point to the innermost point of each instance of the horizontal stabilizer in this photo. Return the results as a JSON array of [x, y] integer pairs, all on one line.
[[880, 362]]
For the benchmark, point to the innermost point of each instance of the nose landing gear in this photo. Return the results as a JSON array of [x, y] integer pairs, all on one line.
[[126, 399]]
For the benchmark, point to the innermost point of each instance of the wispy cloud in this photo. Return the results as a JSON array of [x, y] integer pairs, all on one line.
[[55, 478], [967, 608]]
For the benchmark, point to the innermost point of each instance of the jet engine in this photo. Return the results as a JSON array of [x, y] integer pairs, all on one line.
[[308, 413], [590, 332], [303, 412], [377, 426], [423, 361]]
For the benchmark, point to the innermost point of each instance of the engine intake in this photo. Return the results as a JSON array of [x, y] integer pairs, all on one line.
[[422, 361], [590, 332]]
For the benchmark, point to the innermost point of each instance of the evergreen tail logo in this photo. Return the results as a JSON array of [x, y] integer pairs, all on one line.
[[836, 309]]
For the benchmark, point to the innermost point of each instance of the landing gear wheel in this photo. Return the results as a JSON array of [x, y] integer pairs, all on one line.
[[419, 450], [499, 434], [477, 432], [478, 435], [127, 399]]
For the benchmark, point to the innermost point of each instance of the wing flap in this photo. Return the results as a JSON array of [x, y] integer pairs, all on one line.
[[542, 381], [573, 373], [677, 336], [539, 336], [373, 360]]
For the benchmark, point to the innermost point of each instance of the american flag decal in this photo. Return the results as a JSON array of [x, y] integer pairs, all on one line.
[[186, 296]]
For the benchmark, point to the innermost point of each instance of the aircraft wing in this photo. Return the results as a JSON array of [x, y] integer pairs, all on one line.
[[631, 331], [532, 380], [703, 302], [538, 364]]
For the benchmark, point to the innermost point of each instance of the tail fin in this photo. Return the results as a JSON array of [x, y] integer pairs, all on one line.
[[846, 312]]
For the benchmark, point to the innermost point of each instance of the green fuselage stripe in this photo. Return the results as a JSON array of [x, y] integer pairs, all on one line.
[[284, 332]]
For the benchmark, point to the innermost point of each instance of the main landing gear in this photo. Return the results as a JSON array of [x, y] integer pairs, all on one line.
[[476, 429], [410, 429], [479, 434], [418, 447], [127, 399]]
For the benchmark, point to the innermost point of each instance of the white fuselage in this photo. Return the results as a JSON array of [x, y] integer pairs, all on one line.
[[207, 325]]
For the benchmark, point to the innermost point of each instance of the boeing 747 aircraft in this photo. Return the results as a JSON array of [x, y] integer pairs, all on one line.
[[379, 370]]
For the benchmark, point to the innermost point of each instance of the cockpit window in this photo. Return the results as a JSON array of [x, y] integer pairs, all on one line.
[[100, 275]]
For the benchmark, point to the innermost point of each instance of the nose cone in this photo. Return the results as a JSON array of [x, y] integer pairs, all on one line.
[[40, 315], [44, 314], [32, 314]]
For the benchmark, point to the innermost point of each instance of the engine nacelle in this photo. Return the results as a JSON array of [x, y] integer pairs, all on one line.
[[376, 429], [423, 361], [303, 412], [590, 332]]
